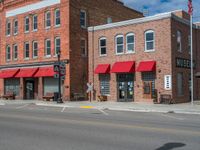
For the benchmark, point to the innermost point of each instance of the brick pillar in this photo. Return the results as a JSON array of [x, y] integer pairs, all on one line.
[[40, 88], [22, 89]]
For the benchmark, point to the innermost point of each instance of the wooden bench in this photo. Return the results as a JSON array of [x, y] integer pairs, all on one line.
[[166, 99], [9, 95], [48, 96], [78, 96], [102, 98]]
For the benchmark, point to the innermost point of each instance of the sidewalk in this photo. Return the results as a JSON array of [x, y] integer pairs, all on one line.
[[185, 108]]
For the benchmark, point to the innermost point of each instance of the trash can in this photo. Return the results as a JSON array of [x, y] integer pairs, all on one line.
[[55, 96]]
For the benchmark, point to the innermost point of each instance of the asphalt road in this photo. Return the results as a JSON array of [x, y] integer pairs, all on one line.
[[30, 127]]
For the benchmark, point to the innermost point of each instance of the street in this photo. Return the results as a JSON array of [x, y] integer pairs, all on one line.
[[31, 127]]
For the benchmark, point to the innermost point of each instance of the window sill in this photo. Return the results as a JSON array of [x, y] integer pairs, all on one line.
[[47, 56], [34, 30], [8, 35], [26, 58], [103, 55], [47, 28], [57, 26], [35, 57], [118, 54], [149, 51], [130, 52], [55, 56], [15, 34]]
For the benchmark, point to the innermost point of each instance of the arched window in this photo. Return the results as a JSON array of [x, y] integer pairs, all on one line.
[[149, 40], [130, 43], [119, 44], [102, 46]]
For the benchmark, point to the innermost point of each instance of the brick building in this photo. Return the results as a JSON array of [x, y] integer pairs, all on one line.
[[140, 59], [33, 31]]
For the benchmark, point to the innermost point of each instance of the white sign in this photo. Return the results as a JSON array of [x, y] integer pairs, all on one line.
[[56, 68], [168, 82], [90, 87]]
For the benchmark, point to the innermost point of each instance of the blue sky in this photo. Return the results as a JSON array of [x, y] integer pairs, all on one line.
[[159, 6]]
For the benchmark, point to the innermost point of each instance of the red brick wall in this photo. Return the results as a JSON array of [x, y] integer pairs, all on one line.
[[97, 14], [162, 55]]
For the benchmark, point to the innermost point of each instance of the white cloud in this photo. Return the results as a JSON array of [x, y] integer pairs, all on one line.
[[156, 6]]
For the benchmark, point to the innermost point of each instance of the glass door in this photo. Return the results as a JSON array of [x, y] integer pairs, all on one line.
[[125, 87], [29, 91]]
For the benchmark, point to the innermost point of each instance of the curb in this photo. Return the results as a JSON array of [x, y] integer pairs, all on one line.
[[119, 109]]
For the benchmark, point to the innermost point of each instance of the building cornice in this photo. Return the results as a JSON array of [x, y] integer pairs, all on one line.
[[142, 20]]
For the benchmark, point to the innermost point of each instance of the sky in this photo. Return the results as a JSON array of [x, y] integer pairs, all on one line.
[[159, 6]]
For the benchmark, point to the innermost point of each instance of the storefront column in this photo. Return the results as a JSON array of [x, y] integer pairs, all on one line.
[[40, 88], [21, 91]]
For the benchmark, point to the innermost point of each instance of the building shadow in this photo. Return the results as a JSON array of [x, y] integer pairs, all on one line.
[[171, 146]]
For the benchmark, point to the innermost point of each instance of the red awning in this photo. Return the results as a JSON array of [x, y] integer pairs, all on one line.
[[26, 72], [146, 66], [10, 73], [45, 72], [102, 69], [123, 67]]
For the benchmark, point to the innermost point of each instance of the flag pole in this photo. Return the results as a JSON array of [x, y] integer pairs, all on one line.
[[191, 50]]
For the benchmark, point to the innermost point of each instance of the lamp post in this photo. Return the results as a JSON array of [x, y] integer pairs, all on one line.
[[59, 80]]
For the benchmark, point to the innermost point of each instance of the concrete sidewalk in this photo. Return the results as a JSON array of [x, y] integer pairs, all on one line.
[[185, 108]]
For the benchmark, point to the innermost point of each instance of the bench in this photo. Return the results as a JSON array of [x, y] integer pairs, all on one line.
[[48, 96], [78, 96], [9, 95], [166, 99], [102, 98]]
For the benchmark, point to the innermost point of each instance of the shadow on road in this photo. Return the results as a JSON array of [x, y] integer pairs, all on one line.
[[170, 146]]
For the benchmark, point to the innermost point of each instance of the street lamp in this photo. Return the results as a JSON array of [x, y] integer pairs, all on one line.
[[59, 79]]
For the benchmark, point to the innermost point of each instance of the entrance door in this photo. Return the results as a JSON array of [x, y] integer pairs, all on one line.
[[125, 87], [29, 90], [148, 89]]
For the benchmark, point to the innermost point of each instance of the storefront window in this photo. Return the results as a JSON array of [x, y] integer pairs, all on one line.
[[12, 85], [104, 84]]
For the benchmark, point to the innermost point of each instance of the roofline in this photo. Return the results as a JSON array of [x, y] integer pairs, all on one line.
[[142, 20]]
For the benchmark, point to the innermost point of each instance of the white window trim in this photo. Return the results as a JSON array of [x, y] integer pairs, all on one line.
[[84, 55], [47, 27], [34, 49], [33, 22], [85, 26], [7, 53], [128, 52], [26, 58], [178, 31], [58, 37], [14, 52], [46, 48], [120, 44], [102, 38], [7, 28], [14, 27], [151, 50], [56, 25], [27, 17]]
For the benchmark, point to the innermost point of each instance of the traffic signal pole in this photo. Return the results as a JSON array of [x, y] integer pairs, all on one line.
[[59, 80]]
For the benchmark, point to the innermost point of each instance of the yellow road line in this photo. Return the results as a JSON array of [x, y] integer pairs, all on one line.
[[87, 107]]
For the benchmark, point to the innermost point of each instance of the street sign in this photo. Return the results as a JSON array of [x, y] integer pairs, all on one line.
[[90, 87], [56, 68], [56, 76]]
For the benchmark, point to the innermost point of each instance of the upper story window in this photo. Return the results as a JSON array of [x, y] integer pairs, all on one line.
[[57, 45], [130, 43], [26, 50], [8, 28], [35, 23], [26, 24], [102, 46], [8, 53], [48, 47], [179, 45], [83, 47], [48, 19], [57, 17], [35, 49], [83, 18], [149, 41], [15, 26], [119, 41], [15, 51]]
